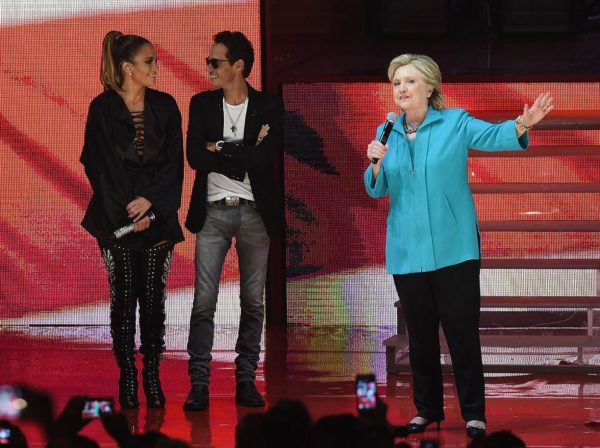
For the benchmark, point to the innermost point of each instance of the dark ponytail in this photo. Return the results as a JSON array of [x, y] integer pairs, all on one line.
[[110, 76], [116, 49]]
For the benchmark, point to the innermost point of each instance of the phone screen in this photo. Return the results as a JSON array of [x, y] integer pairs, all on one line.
[[4, 435], [366, 393], [93, 408], [11, 402]]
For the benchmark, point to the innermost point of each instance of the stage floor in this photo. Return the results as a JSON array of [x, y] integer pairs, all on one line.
[[315, 366]]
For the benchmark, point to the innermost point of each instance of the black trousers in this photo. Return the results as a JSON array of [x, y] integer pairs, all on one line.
[[450, 296], [137, 276]]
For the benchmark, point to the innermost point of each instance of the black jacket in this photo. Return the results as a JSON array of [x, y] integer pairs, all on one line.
[[206, 125], [118, 175]]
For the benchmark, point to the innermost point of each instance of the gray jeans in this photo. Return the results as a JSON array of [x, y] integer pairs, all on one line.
[[212, 244]]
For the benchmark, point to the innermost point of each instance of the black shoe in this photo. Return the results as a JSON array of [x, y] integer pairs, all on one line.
[[246, 394], [128, 385], [474, 432], [197, 399], [417, 428], [155, 397], [128, 397]]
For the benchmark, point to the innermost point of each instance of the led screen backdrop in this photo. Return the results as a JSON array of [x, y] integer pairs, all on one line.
[[50, 268], [336, 232]]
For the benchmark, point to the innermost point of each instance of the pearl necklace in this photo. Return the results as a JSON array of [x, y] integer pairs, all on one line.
[[408, 129]]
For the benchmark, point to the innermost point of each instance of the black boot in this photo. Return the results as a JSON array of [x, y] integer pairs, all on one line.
[[128, 382], [155, 398], [152, 321], [118, 262]]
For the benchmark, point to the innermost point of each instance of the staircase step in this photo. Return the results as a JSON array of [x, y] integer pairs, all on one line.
[[540, 226], [396, 348], [512, 341], [540, 263], [542, 151], [559, 187], [557, 120], [536, 302], [402, 365], [584, 302]]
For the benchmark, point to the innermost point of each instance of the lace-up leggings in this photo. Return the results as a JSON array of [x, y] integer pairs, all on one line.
[[137, 276]]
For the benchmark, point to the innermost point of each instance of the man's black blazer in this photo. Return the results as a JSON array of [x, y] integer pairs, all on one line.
[[206, 125]]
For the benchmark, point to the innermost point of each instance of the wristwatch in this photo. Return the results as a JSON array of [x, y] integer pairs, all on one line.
[[219, 145]]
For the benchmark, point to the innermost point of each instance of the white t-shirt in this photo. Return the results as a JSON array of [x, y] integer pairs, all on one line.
[[220, 186]]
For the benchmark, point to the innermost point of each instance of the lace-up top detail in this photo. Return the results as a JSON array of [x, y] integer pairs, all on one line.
[[138, 141]]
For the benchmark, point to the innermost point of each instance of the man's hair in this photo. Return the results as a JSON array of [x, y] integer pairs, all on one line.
[[238, 47]]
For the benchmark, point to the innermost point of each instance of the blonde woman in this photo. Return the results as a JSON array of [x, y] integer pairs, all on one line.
[[432, 243]]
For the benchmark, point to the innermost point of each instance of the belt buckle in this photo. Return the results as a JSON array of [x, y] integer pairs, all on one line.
[[232, 201]]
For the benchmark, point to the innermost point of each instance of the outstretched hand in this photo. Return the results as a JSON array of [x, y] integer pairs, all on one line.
[[541, 107]]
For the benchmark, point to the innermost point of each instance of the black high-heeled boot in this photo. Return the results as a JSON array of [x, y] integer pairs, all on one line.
[[152, 321], [128, 382], [118, 265], [155, 397]]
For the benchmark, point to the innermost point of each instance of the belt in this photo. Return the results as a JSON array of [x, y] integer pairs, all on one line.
[[231, 201]]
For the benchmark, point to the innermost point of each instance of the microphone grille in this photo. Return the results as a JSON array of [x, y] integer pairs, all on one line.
[[392, 117]]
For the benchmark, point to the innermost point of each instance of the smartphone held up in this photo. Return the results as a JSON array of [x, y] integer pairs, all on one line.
[[94, 407], [366, 393]]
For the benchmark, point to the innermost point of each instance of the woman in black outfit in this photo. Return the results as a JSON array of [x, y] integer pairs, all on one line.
[[133, 158]]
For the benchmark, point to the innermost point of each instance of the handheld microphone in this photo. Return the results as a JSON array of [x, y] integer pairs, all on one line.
[[387, 129], [126, 230]]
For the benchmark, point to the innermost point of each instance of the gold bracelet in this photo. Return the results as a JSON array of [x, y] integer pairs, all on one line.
[[520, 125]]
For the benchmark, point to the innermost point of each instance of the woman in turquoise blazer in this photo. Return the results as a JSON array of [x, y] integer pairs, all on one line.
[[432, 244]]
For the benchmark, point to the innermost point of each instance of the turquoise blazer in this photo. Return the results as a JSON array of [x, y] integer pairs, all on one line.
[[432, 222]]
